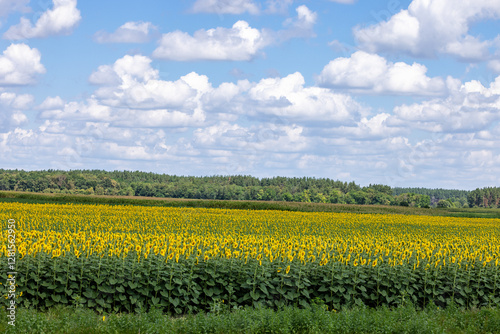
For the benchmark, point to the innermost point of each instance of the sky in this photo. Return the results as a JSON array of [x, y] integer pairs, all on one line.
[[402, 93]]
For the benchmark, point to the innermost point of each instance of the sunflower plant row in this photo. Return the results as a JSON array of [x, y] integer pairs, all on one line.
[[188, 260]]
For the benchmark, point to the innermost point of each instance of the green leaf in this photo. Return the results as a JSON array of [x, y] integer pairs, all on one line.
[[254, 295], [209, 292], [263, 289], [174, 301]]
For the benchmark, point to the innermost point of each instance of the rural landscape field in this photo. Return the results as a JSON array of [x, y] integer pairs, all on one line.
[[180, 261], [250, 166]]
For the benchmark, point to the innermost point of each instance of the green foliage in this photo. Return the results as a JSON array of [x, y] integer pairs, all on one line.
[[487, 197], [111, 284], [237, 187], [444, 204], [315, 319], [435, 195]]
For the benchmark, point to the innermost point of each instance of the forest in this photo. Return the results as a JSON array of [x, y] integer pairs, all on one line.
[[239, 187]]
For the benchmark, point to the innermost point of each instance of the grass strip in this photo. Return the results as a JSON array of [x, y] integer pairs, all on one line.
[[316, 319]]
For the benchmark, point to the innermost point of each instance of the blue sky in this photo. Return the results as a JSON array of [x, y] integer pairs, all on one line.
[[404, 93]]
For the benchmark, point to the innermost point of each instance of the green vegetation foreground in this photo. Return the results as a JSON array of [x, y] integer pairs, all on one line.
[[315, 320]]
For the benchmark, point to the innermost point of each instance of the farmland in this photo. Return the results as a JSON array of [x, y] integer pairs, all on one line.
[[186, 260]]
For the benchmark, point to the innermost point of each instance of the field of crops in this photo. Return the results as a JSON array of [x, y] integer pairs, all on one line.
[[119, 258]]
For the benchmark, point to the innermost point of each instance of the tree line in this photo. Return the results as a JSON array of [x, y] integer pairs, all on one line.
[[232, 187], [443, 197], [486, 197]]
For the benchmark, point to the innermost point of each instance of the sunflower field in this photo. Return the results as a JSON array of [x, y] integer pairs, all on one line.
[[188, 260]]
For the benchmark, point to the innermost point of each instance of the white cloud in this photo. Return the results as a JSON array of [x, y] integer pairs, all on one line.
[[11, 106], [14, 101], [105, 76], [9, 6], [287, 97], [370, 73], [19, 65], [281, 138], [424, 29], [209, 136], [53, 109], [130, 32], [300, 26], [116, 151], [251, 140], [494, 65], [160, 118], [225, 6], [125, 70], [239, 43], [468, 48], [375, 128], [51, 103], [131, 82], [470, 107], [60, 20]]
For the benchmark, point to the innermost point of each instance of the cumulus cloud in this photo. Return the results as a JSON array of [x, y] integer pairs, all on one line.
[[130, 32], [470, 107], [238, 43], [160, 118], [11, 110], [375, 128], [424, 30], [251, 140], [19, 65], [370, 73], [300, 26], [90, 110], [288, 97], [60, 20], [131, 82], [132, 86], [51, 103]]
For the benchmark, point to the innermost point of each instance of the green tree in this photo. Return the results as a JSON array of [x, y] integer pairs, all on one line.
[[444, 204]]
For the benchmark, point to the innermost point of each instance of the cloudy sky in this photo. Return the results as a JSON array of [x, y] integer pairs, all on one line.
[[403, 93]]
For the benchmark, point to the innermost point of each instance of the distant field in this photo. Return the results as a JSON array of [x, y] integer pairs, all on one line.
[[29, 197]]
